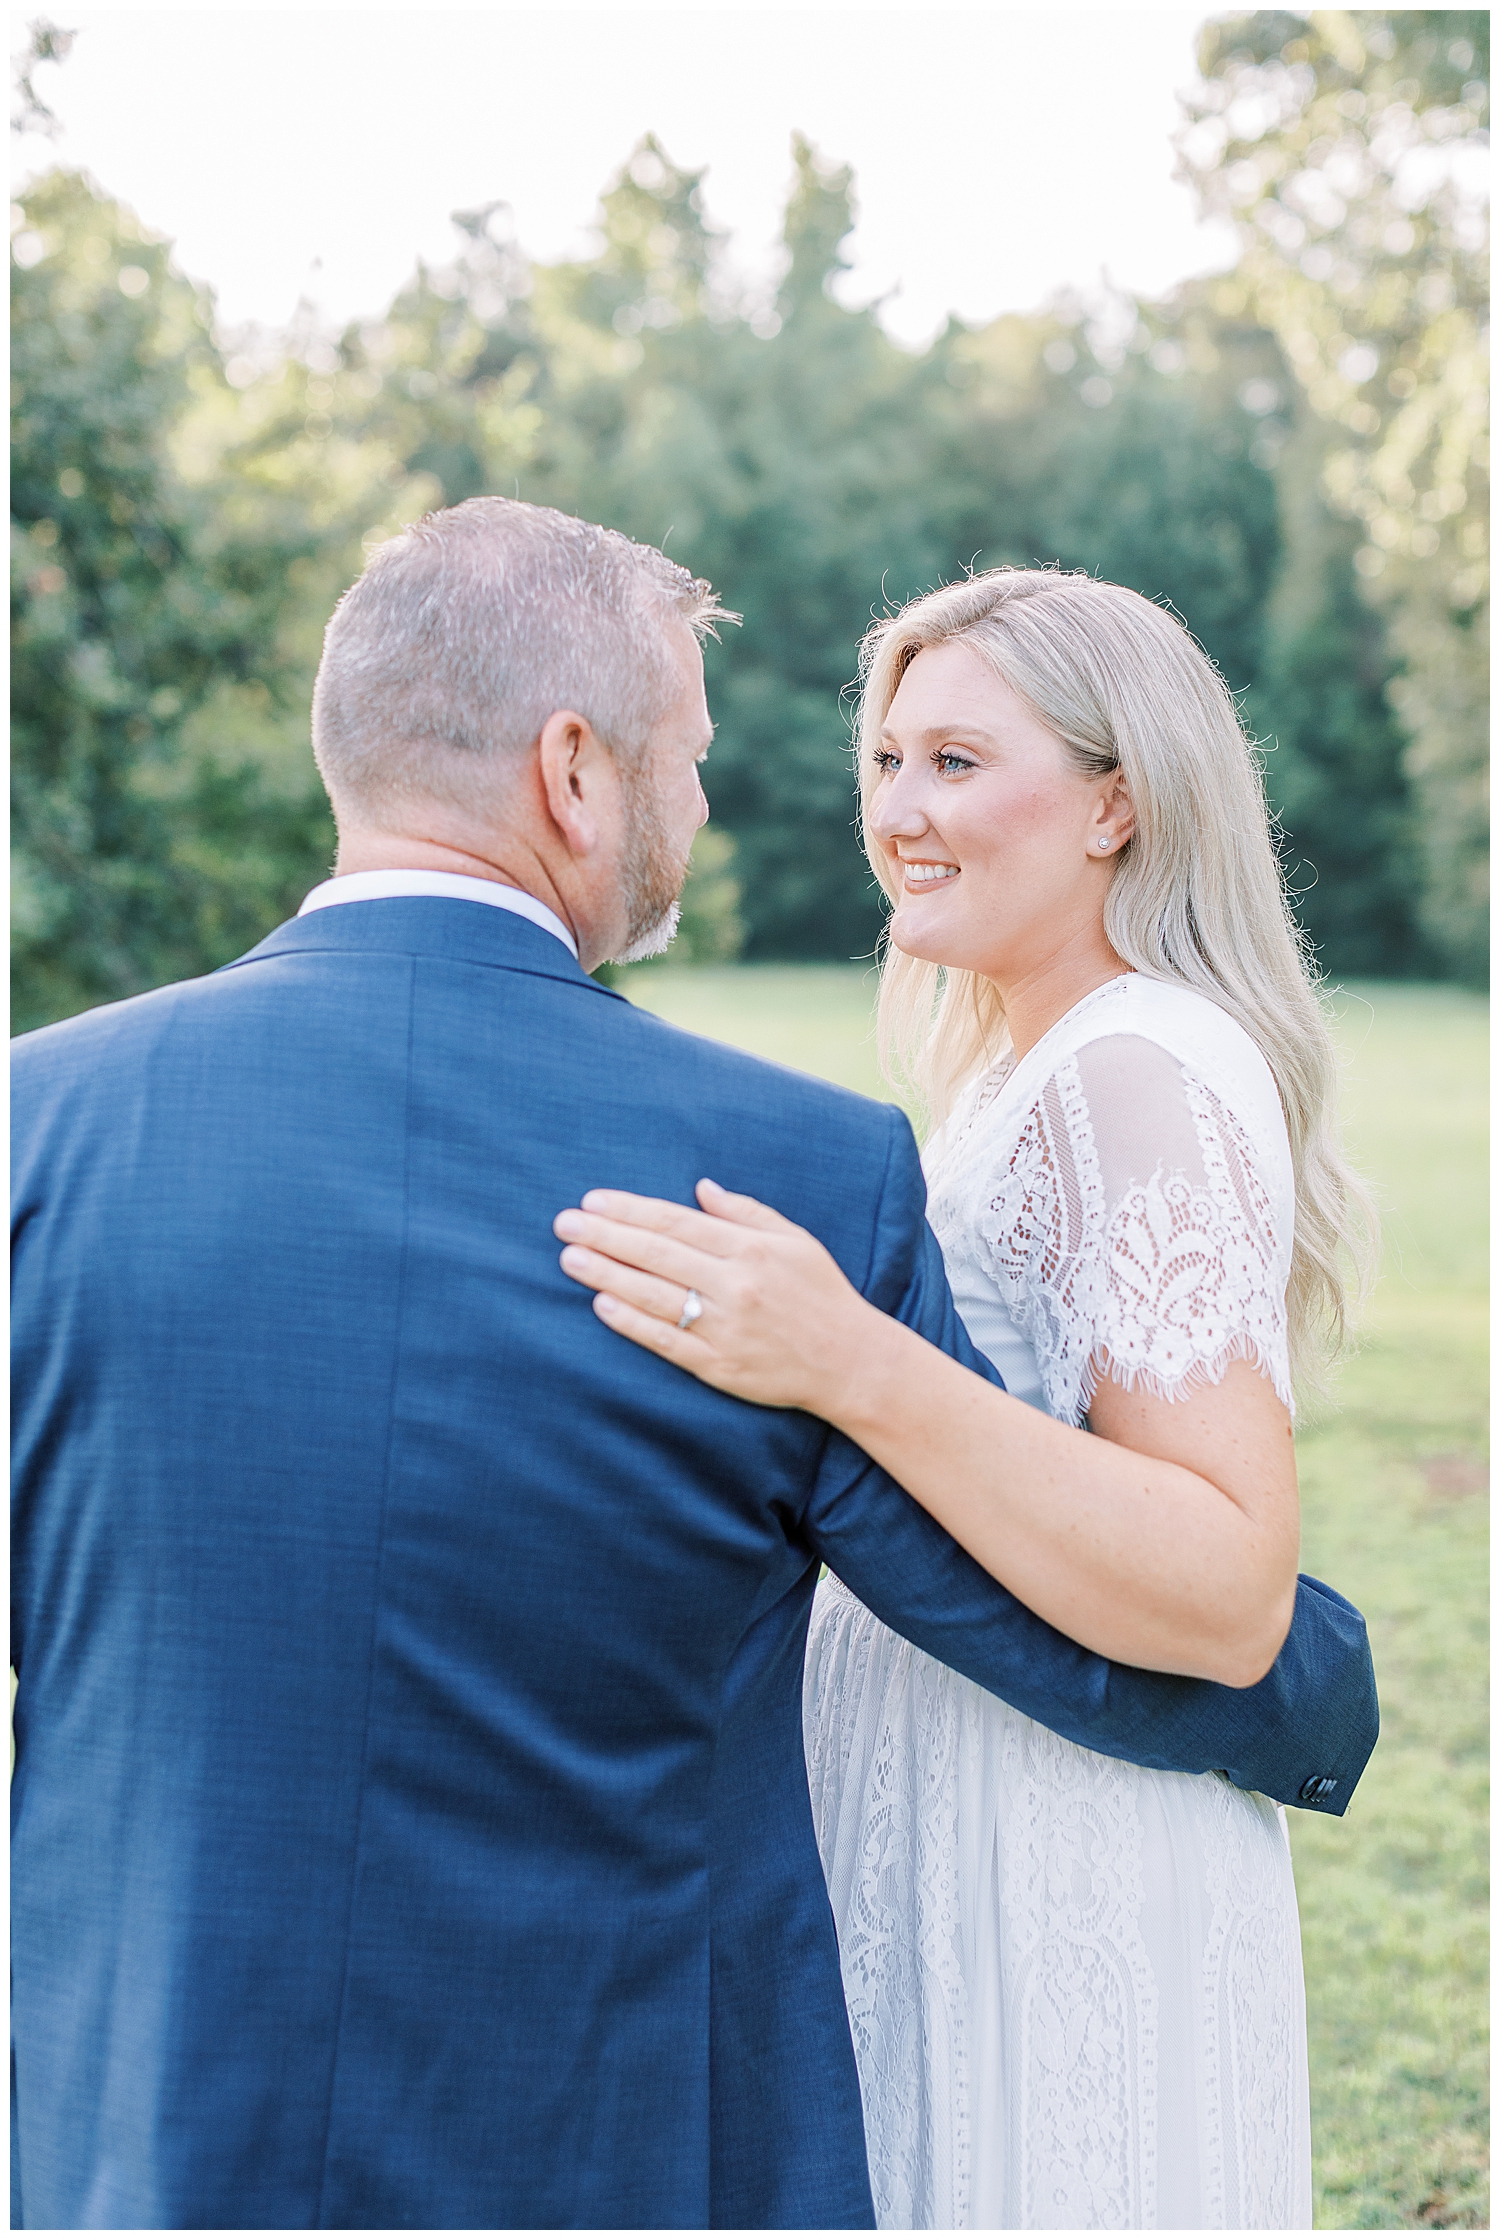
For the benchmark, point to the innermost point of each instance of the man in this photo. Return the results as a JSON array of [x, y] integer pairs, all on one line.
[[412, 1827]]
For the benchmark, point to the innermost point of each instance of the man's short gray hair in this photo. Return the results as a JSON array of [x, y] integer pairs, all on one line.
[[471, 628]]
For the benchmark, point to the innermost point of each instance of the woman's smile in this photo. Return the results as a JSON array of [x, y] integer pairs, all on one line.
[[971, 787]]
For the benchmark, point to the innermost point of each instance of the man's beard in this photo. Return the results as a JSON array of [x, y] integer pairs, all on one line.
[[651, 877]]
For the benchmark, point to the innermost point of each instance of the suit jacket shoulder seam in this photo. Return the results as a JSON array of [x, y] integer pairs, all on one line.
[[580, 980]]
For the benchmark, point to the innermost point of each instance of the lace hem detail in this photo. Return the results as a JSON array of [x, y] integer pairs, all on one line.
[[1102, 1366]]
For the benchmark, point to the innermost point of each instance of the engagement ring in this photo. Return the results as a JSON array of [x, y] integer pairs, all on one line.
[[692, 1307]]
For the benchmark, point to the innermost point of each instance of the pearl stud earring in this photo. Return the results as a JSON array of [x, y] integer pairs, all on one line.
[[1103, 843]]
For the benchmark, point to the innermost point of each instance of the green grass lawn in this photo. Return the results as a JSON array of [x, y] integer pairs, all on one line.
[[1394, 1896]]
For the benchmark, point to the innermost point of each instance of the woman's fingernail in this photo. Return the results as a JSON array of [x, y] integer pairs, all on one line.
[[567, 1224], [573, 1259], [605, 1307]]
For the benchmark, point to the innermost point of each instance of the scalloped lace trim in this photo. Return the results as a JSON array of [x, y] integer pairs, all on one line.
[[1161, 1289]]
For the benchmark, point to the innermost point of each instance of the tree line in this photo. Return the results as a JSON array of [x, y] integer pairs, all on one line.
[[1288, 455]]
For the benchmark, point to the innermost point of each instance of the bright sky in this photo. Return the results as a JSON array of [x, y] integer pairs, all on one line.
[[1000, 152]]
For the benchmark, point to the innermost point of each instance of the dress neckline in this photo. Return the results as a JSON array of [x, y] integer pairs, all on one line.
[[1006, 1062], [985, 1089]]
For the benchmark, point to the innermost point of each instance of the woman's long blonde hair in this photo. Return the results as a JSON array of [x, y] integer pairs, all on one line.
[[1196, 894]]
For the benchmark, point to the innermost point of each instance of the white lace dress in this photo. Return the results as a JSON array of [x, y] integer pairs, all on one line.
[[1075, 1986]]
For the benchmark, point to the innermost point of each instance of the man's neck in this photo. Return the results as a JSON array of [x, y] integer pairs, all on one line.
[[390, 851]]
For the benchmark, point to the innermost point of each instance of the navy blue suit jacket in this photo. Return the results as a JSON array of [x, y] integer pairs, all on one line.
[[410, 1820]]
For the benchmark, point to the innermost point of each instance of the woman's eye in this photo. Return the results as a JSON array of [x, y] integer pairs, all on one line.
[[949, 764], [885, 760]]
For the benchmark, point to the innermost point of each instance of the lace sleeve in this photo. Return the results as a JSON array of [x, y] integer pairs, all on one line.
[[1136, 1231]]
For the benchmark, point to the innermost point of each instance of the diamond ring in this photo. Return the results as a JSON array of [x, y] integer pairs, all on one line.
[[692, 1307]]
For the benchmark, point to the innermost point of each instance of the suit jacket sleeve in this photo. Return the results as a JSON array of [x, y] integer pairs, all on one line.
[[1302, 1735]]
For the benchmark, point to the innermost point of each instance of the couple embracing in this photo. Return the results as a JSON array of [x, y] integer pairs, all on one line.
[[445, 1794]]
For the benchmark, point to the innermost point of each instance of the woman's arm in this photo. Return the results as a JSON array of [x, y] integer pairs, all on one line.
[[1169, 1541]]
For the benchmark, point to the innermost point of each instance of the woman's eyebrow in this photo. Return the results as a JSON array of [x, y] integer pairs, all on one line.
[[931, 733]]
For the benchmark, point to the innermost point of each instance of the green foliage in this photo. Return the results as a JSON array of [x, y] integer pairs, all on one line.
[[1345, 145], [170, 609], [1394, 1896], [711, 930], [819, 218], [141, 597], [1336, 755], [1136, 464]]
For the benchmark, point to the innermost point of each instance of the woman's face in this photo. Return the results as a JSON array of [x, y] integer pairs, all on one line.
[[990, 828]]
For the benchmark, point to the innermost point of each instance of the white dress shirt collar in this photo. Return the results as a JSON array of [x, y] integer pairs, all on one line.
[[381, 886]]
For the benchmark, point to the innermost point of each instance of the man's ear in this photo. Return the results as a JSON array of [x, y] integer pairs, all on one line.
[[578, 777]]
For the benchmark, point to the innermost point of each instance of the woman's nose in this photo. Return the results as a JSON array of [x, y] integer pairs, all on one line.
[[896, 813]]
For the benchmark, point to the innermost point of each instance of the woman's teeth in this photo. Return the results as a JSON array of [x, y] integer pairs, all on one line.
[[927, 874]]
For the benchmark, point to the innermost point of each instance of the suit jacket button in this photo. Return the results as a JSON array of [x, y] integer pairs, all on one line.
[[1317, 1787]]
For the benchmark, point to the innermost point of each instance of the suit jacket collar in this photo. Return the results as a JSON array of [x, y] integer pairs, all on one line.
[[427, 926]]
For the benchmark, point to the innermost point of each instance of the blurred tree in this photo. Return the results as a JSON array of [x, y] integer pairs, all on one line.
[[45, 42], [444, 381], [710, 930], [1347, 147], [1335, 752], [656, 251], [1315, 656], [190, 510], [1128, 454], [138, 599], [818, 220]]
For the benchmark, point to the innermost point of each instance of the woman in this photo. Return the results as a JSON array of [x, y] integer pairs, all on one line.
[[1075, 1985]]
